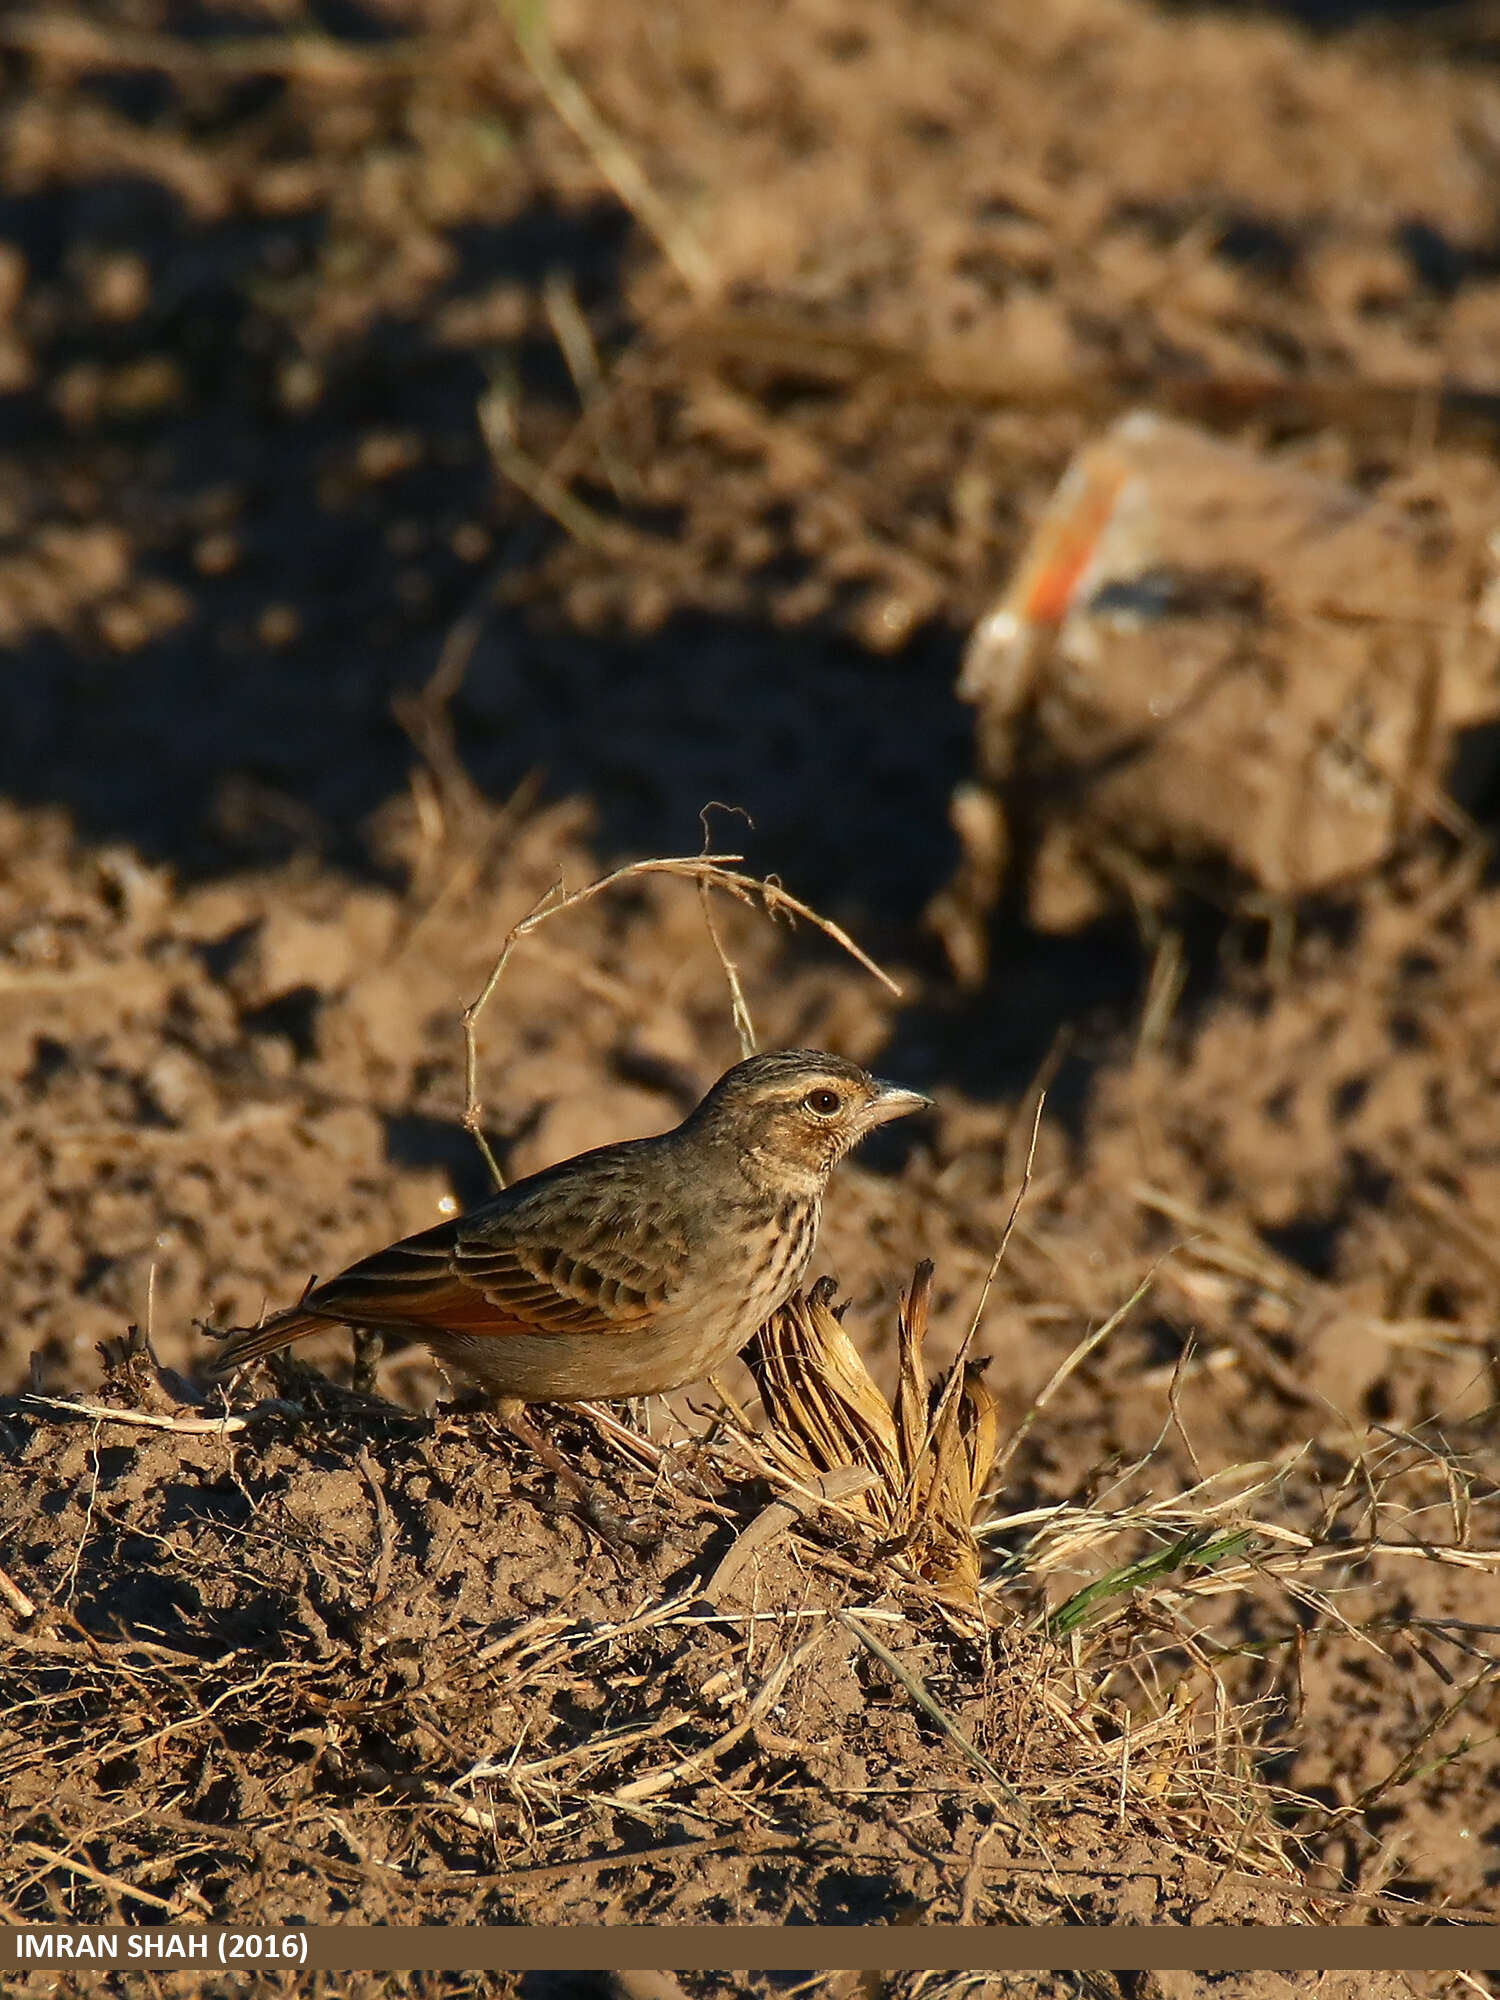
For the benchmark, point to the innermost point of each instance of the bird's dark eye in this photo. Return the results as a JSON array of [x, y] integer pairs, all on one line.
[[823, 1102]]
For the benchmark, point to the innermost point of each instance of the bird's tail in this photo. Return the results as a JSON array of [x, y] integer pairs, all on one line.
[[245, 1344]]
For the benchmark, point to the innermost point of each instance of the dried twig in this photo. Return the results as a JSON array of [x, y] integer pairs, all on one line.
[[497, 421], [71, 1581], [15, 1597], [767, 1695], [922, 1696], [71, 42], [774, 1519], [739, 1007], [1066, 1367], [953, 1387], [152, 1420], [615, 162], [385, 1530], [111, 1884], [714, 871], [1406, 1765], [576, 342]]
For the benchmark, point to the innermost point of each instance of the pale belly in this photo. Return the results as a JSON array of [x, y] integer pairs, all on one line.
[[547, 1368]]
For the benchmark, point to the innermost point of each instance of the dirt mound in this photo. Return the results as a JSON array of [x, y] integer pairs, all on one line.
[[361, 1663]]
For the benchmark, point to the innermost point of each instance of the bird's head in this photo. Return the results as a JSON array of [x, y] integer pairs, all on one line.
[[793, 1114]]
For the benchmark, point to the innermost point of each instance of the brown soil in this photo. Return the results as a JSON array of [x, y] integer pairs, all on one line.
[[290, 428]]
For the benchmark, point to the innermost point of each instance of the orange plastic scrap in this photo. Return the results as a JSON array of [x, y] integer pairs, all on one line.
[[1063, 550]]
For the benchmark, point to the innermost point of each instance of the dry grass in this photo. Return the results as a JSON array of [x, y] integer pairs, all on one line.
[[361, 1750], [1188, 1615]]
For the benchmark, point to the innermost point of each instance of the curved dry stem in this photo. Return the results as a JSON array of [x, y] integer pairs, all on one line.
[[953, 1387], [708, 872]]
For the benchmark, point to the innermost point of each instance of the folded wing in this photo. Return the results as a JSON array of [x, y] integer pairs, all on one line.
[[463, 1277]]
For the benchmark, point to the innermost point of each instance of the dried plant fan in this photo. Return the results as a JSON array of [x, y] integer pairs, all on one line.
[[928, 1458]]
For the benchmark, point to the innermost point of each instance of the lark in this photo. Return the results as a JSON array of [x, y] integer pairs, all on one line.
[[624, 1271]]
